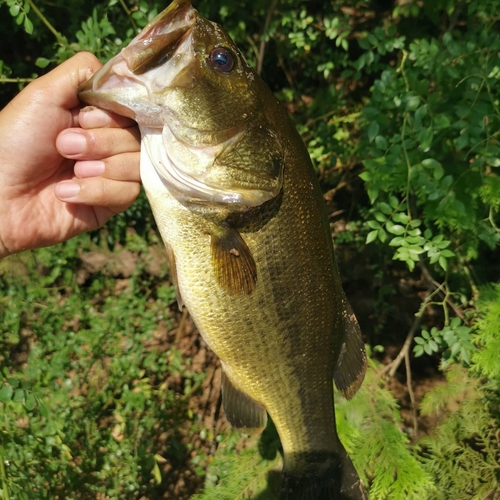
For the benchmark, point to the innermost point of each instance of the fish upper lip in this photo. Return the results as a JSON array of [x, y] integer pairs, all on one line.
[[157, 40]]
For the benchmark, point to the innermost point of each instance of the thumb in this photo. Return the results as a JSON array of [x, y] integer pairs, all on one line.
[[64, 80]]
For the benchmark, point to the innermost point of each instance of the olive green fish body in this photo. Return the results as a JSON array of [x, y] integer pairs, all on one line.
[[242, 216], [264, 338]]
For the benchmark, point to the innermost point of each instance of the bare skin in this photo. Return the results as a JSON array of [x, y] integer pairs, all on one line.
[[63, 170]]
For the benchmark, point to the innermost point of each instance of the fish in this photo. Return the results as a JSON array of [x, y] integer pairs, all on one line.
[[242, 216]]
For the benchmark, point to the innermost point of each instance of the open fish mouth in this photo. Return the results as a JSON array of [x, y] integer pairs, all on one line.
[[121, 85], [167, 81]]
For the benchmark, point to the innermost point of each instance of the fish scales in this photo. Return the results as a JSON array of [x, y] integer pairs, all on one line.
[[240, 210]]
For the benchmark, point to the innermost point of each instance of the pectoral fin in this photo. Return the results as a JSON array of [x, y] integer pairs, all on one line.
[[241, 410], [350, 368], [234, 266]]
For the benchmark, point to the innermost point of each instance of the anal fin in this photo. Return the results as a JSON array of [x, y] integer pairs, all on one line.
[[234, 266], [350, 368], [241, 410]]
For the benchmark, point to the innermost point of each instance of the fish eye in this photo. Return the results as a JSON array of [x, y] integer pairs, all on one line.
[[222, 59]]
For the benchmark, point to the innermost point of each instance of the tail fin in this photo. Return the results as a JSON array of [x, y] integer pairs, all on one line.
[[321, 477]]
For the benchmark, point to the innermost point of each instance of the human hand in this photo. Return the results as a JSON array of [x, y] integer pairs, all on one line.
[[63, 170]]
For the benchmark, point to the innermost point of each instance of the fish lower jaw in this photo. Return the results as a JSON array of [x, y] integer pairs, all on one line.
[[188, 188]]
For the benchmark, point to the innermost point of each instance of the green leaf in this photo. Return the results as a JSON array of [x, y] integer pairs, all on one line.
[[395, 228], [415, 240], [382, 235], [18, 396], [434, 347], [449, 337], [396, 242], [443, 263], [418, 350], [373, 193], [28, 25], [14, 10], [372, 236], [14, 382], [465, 355], [394, 202], [44, 411], [412, 103], [373, 129], [441, 121], [447, 253], [6, 393], [455, 349], [384, 207], [30, 402], [421, 112], [400, 217], [157, 473], [42, 62], [381, 142], [425, 137], [493, 162], [430, 163]]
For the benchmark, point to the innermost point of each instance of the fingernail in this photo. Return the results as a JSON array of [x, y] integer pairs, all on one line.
[[89, 168], [91, 117], [71, 143], [67, 189]]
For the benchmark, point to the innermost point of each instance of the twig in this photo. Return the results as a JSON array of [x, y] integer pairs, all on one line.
[[129, 15], [45, 21], [409, 384], [16, 80], [455, 17], [251, 42], [262, 48], [394, 364], [125, 8], [329, 195], [474, 288], [289, 78], [439, 287]]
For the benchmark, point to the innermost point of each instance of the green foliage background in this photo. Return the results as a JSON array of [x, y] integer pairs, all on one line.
[[398, 103]]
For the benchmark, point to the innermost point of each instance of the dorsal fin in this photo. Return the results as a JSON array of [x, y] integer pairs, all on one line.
[[350, 368]]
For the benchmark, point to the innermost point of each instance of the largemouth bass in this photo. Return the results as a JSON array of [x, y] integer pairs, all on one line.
[[242, 216]]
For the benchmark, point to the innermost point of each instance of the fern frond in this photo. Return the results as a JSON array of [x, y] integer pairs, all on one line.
[[458, 385], [487, 330], [234, 475], [463, 454], [378, 447]]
